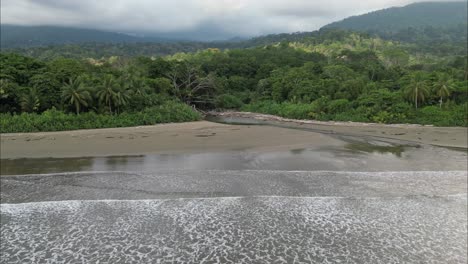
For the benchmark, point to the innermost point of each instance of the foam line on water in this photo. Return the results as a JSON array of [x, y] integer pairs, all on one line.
[[110, 201]]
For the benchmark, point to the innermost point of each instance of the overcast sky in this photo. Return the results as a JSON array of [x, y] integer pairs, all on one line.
[[228, 17]]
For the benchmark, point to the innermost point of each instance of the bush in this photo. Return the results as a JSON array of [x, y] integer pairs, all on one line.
[[265, 107], [288, 110], [456, 116], [53, 120], [338, 106], [320, 105], [227, 101], [340, 110], [296, 111]]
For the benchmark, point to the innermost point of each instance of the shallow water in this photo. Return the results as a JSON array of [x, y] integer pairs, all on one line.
[[353, 155], [237, 230], [173, 184], [222, 216]]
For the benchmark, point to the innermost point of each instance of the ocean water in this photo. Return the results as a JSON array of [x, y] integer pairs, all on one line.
[[237, 230], [235, 216]]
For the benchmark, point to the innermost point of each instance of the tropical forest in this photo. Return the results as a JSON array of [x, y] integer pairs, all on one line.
[[390, 74]]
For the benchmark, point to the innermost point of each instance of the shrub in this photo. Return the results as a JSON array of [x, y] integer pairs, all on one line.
[[265, 107], [288, 110], [341, 110], [455, 116], [338, 106], [227, 101], [53, 120]]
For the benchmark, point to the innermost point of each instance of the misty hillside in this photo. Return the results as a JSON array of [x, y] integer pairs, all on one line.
[[418, 15], [13, 36], [421, 23]]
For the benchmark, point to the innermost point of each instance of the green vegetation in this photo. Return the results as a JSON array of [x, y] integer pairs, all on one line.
[[327, 75], [54, 120], [341, 110]]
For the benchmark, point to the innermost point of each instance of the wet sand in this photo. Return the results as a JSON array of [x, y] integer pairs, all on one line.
[[165, 138], [208, 136], [456, 137]]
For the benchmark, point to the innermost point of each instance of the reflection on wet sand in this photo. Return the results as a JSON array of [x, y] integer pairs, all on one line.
[[355, 155]]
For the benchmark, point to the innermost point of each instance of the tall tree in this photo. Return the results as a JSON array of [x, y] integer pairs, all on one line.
[[189, 86], [30, 100], [138, 86], [122, 93], [76, 94], [417, 89], [107, 92], [442, 86]]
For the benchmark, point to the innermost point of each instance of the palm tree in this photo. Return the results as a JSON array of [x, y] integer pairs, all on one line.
[[30, 101], [138, 86], [442, 86], [122, 96], [107, 92], [76, 94], [416, 90]]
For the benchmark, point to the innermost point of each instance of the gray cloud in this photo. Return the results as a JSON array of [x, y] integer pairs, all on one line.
[[218, 17]]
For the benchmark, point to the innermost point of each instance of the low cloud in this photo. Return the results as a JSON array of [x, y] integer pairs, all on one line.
[[224, 17]]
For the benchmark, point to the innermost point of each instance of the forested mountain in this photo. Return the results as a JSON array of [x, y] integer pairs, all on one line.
[[417, 15], [152, 49], [13, 36], [322, 40], [416, 26], [435, 27]]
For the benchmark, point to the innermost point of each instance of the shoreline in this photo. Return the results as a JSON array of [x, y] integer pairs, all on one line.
[[204, 136], [268, 117], [173, 138], [414, 133]]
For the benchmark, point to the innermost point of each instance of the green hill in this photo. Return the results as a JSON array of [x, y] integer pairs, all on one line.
[[418, 15], [14, 36], [438, 28]]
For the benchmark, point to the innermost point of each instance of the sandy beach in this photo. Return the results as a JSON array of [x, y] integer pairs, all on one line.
[[208, 136], [163, 138]]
